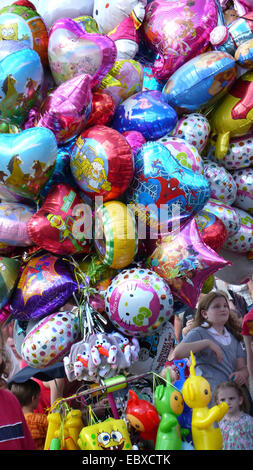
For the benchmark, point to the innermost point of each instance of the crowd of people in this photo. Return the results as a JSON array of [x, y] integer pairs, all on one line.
[[219, 332]]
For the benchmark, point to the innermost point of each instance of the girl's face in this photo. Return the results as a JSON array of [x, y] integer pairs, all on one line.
[[218, 312], [232, 398]]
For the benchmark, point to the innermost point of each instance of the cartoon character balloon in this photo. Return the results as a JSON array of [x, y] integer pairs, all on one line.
[[184, 152], [111, 434], [53, 11], [228, 38], [177, 31], [108, 15], [142, 416], [138, 302]]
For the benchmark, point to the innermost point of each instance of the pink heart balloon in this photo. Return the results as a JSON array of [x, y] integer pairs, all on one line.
[[73, 51]]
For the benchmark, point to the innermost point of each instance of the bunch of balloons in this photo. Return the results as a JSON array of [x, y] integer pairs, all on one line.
[[126, 176]]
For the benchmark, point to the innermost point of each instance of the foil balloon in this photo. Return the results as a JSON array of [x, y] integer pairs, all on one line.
[[22, 23], [25, 165], [163, 189], [126, 38], [102, 162], [46, 283], [102, 109], [111, 434], [244, 54], [116, 239], [244, 181], [13, 223], [66, 109], [222, 185], [212, 229], [177, 31], [242, 240], [184, 152], [195, 129], [138, 302], [50, 339], [63, 225], [233, 116], [61, 172], [83, 53], [201, 81], [21, 75], [239, 153], [9, 271], [108, 15], [239, 272], [149, 81], [124, 79], [146, 112], [226, 213], [185, 262], [228, 38], [135, 140], [53, 11]]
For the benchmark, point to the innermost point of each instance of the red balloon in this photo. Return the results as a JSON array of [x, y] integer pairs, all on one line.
[[102, 163], [102, 109], [63, 224], [212, 229]]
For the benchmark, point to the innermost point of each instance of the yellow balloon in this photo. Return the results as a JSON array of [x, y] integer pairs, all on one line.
[[111, 434]]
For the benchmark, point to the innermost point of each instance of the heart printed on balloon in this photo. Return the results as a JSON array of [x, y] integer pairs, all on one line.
[[185, 261], [146, 112], [57, 225], [21, 75], [73, 51], [27, 160], [163, 190]]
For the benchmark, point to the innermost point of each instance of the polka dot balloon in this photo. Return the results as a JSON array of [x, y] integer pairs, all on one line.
[[195, 129]]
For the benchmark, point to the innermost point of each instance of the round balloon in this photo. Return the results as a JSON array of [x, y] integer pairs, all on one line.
[[222, 185], [102, 162], [146, 112], [238, 155], [45, 284], [135, 140], [195, 129], [102, 109], [227, 214], [177, 31], [83, 53], [184, 152], [25, 167], [244, 182], [203, 79], [50, 339], [22, 23], [57, 225], [13, 223], [242, 240], [212, 229], [244, 54], [9, 271], [138, 302]]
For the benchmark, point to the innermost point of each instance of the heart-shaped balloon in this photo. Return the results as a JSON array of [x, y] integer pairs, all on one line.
[[162, 189], [244, 181], [45, 284], [9, 271], [185, 261], [21, 75], [212, 229], [102, 162], [22, 23], [73, 51], [13, 223], [57, 225], [61, 172], [124, 79], [177, 31], [146, 112], [242, 240], [222, 185], [66, 109], [227, 214], [195, 129], [26, 162], [184, 152]]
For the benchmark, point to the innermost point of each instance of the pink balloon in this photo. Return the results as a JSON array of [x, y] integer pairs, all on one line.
[[135, 140], [185, 262], [177, 32], [66, 109]]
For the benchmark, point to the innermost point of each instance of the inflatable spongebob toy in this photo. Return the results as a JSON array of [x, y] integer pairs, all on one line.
[[110, 434], [197, 394]]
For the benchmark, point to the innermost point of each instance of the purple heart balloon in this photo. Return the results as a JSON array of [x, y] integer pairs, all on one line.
[[73, 51]]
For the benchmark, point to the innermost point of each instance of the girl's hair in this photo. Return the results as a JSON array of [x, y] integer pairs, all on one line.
[[245, 406], [232, 324], [5, 364]]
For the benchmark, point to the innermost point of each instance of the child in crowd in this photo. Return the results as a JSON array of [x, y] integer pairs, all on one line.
[[28, 394], [216, 342], [237, 425]]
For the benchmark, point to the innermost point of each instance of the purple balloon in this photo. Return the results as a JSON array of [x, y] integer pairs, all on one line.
[[66, 110], [45, 284]]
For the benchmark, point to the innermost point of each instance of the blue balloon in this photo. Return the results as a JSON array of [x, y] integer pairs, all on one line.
[[147, 112]]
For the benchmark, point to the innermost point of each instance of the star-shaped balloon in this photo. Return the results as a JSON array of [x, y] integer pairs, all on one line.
[[185, 262]]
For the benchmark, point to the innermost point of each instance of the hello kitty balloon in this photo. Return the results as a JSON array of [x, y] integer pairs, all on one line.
[[138, 302], [53, 11]]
